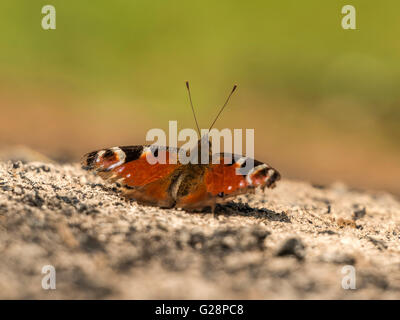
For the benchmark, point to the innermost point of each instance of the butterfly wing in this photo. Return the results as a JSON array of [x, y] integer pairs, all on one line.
[[223, 180], [137, 170], [236, 174]]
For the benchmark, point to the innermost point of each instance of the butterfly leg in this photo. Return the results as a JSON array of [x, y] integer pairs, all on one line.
[[213, 209]]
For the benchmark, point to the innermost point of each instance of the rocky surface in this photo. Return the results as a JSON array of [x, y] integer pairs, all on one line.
[[291, 242]]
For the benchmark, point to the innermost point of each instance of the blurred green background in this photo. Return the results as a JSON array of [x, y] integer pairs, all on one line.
[[324, 101]]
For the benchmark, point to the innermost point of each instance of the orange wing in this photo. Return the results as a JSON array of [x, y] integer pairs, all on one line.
[[138, 170], [235, 174], [222, 180]]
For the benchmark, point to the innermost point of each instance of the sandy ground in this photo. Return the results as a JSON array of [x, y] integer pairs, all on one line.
[[291, 242]]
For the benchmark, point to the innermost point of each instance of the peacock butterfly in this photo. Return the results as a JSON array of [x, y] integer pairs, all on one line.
[[171, 184]]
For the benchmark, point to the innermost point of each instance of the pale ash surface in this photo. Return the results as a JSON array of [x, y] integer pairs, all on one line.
[[291, 242]]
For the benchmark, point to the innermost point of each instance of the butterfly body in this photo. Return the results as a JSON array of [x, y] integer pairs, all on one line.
[[189, 186]]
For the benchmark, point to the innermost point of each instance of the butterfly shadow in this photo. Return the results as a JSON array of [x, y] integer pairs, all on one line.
[[245, 210]]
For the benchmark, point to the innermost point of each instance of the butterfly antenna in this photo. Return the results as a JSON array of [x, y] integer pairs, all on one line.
[[223, 107], [191, 104]]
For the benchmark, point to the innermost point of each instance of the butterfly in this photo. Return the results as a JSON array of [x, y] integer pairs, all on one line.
[[190, 186]]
